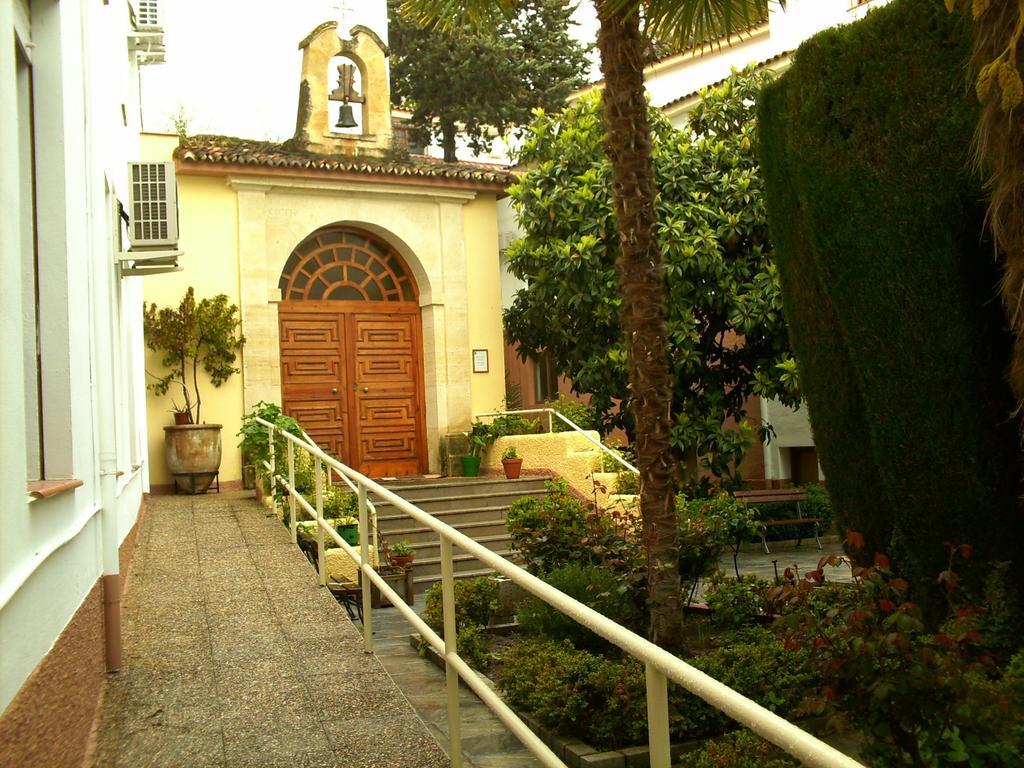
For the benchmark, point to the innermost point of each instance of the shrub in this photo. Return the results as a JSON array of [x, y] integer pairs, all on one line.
[[255, 439], [581, 414], [917, 697], [888, 284], [608, 464], [627, 482], [603, 701], [737, 603], [547, 531], [707, 527], [305, 475], [513, 424], [558, 529], [473, 645], [598, 587], [475, 601], [739, 749], [1004, 618], [575, 692], [339, 503], [759, 666]]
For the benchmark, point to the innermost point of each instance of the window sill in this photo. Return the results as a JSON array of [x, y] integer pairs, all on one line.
[[44, 489]]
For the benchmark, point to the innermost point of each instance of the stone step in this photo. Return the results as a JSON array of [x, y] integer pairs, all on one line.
[[503, 498], [442, 488], [466, 566], [398, 521], [415, 534], [429, 552], [476, 507]]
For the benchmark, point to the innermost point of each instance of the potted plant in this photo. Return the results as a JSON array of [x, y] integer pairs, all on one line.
[[255, 443], [480, 436], [193, 335], [511, 463], [348, 528], [402, 554]]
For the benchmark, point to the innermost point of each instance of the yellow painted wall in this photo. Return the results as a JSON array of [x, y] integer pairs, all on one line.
[[484, 288], [208, 230], [568, 454]]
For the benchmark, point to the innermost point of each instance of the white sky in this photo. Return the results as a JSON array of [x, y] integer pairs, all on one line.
[[233, 67]]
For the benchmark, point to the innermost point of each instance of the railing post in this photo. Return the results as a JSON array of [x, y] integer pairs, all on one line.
[[321, 557], [551, 422], [364, 562], [273, 467], [294, 524], [657, 718], [450, 647]]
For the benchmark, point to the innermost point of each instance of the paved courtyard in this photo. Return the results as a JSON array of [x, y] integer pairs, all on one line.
[[234, 657], [803, 558]]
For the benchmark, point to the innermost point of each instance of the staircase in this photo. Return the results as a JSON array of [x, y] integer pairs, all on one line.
[[474, 506]]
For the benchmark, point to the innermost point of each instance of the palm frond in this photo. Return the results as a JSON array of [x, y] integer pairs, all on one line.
[[689, 22], [448, 14]]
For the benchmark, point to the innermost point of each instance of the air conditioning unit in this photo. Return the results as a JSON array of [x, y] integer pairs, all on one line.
[[146, 36], [146, 14], [152, 221], [152, 206]]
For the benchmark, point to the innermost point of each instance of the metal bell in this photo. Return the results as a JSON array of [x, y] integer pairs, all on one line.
[[345, 117]]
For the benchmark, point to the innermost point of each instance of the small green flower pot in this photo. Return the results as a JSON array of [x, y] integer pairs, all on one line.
[[350, 534], [470, 466]]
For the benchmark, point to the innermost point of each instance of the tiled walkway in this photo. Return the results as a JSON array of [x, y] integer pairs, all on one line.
[[235, 657], [486, 742]]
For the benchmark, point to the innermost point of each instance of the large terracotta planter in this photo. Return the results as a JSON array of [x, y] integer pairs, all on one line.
[[193, 455]]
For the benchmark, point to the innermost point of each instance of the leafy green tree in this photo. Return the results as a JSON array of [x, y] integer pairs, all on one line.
[[726, 335], [476, 82], [194, 335], [622, 46]]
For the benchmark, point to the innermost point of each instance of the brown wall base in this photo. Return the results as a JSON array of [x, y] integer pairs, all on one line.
[[50, 722]]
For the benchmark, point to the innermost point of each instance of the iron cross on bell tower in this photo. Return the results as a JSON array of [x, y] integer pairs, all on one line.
[[341, 10]]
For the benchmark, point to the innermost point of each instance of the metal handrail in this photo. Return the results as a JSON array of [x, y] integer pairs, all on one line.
[[661, 666], [552, 412], [354, 489]]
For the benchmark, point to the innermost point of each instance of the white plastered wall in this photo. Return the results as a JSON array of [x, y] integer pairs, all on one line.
[[85, 132]]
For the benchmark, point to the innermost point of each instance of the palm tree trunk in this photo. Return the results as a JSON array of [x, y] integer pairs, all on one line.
[[999, 153], [628, 146]]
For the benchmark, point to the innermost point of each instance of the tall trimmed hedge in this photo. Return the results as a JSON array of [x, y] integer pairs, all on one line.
[[888, 289]]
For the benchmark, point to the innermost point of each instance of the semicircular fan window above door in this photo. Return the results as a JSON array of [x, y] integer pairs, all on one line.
[[340, 264]]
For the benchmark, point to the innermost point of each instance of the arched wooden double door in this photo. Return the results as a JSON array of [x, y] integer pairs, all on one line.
[[352, 351]]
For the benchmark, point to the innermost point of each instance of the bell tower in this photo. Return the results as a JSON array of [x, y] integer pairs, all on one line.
[[344, 95]]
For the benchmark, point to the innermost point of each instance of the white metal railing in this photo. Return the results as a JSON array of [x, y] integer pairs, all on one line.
[[352, 486], [552, 413], [661, 666]]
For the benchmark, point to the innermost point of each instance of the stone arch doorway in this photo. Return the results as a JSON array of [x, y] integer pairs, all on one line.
[[352, 350]]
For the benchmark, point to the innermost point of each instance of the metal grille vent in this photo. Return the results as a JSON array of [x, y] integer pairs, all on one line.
[[146, 13], [153, 204]]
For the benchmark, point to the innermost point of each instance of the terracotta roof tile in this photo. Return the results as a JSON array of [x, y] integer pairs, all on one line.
[[228, 150]]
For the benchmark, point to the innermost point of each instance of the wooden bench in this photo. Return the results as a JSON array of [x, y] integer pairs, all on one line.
[[783, 495]]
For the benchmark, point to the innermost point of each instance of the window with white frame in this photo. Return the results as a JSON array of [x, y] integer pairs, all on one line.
[[31, 352]]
